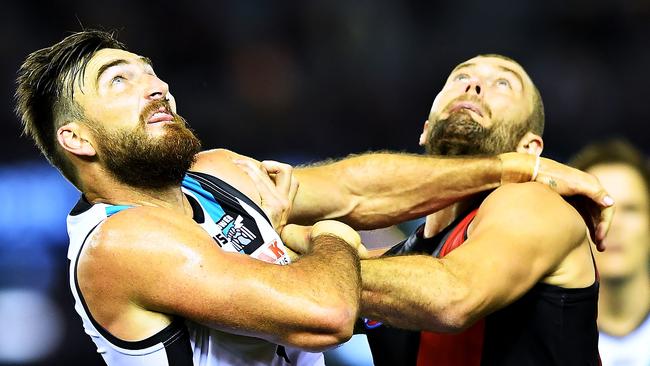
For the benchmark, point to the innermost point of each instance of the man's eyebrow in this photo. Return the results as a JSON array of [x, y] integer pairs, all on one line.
[[146, 60], [107, 66], [516, 74], [462, 66], [117, 62]]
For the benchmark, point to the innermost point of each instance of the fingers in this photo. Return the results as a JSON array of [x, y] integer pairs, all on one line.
[[603, 198], [273, 203], [607, 209], [293, 256], [606, 216], [281, 173], [297, 238], [363, 252], [285, 182], [594, 190], [261, 179], [343, 231], [336, 228], [569, 181], [591, 187]]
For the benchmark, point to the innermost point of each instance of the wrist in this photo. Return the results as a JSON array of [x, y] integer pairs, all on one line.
[[336, 229], [518, 167]]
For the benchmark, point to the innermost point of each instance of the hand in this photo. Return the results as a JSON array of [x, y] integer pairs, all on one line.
[[297, 238], [300, 238], [567, 181], [276, 185]]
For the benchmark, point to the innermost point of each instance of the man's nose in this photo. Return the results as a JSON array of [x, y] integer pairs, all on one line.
[[474, 87], [156, 88]]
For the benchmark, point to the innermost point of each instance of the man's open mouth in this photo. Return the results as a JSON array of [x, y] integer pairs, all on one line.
[[160, 115]]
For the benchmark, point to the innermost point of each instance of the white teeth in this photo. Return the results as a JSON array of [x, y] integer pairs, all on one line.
[[159, 114]]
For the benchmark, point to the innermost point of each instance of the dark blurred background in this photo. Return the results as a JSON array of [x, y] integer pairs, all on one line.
[[299, 81]]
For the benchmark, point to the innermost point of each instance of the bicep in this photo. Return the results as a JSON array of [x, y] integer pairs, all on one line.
[[176, 268]]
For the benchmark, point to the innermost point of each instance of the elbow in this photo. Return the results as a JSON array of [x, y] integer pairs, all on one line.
[[330, 326], [341, 322], [456, 321], [460, 311], [336, 323]]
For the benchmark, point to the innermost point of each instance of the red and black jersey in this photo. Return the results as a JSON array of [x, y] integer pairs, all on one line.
[[549, 325]]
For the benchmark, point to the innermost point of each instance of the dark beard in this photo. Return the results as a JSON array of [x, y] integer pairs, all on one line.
[[459, 134], [139, 160]]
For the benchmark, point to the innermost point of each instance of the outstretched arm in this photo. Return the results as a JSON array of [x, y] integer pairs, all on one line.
[[380, 189], [520, 236]]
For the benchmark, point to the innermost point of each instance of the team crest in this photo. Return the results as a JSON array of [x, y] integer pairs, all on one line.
[[234, 232]]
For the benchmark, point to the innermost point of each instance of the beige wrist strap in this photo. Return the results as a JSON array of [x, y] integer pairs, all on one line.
[[516, 168]]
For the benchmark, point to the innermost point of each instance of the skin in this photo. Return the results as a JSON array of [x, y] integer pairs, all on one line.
[[624, 272], [148, 263], [531, 234], [503, 86], [145, 264]]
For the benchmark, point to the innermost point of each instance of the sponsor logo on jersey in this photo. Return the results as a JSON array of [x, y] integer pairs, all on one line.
[[272, 252]]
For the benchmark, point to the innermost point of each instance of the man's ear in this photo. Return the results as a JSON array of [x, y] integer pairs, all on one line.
[[424, 134], [73, 138], [531, 144]]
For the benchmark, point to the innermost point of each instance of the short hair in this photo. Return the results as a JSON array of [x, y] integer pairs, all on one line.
[[616, 151], [534, 122], [45, 90]]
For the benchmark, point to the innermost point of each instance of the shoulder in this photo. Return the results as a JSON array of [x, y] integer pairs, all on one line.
[[220, 163], [532, 207], [214, 161], [127, 235], [130, 248], [526, 197]]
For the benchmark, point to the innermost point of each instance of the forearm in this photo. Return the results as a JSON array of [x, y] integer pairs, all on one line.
[[413, 292], [334, 268], [325, 296], [380, 189]]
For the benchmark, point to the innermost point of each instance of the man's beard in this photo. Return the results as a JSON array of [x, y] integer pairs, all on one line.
[[139, 160], [459, 134]]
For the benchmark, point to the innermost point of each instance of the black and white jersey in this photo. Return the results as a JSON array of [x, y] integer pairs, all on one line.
[[237, 225]]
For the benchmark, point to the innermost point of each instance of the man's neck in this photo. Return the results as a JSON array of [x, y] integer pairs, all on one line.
[[116, 193], [437, 221], [623, 304]]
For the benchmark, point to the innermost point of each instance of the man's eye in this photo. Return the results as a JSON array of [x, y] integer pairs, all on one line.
[[503, 82], [117, 79], [461, 77]]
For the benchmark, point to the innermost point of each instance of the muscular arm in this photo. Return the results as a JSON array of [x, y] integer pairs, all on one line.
[[520, 235], [376, 190], [165, 263], [380, 189]]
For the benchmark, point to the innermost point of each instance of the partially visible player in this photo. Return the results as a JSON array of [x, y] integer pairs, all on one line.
[[624, 304], [511, 271]]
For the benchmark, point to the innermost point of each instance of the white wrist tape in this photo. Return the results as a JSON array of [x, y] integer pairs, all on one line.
[[536, 168]]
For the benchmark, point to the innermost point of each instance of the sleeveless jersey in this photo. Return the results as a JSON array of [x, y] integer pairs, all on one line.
[[236, 224], [549, 325]]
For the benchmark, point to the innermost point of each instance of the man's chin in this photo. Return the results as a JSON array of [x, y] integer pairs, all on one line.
[[452, 147]]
